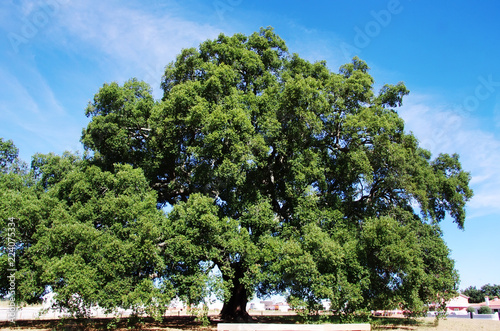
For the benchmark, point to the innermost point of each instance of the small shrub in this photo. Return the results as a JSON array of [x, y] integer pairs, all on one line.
[[135, 321], [484, 310], [471, 309], [112, 324], [202, 316]]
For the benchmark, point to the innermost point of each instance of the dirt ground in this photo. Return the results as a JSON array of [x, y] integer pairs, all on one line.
[[450, 324], [426, 324], [455, 324]]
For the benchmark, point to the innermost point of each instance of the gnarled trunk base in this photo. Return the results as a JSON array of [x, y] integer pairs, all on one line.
[[235, 309]]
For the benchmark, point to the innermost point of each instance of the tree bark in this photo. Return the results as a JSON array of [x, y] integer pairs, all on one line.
[[235, 309]]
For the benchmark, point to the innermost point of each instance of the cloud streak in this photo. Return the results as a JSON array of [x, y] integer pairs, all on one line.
[[441, 129], [137, 40], [120, 38], [33, 117]]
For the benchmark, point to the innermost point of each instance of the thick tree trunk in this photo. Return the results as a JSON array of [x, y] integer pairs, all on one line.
[[235, 309]]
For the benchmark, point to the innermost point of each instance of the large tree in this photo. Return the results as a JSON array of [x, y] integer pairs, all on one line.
[[87, 235], [286, 177], [478, 295]]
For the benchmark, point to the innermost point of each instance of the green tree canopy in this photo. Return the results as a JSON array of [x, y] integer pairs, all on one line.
[[287, 177], [8, 153], [9, 160], [284, 177], [491, 290], [88, 235], [478, 295]]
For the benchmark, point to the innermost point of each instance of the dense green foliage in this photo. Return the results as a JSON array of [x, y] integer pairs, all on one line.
[[8, 154], [284, 177], [477, 295], [86, 234], [491, 290], [484, 310], [9, 161]]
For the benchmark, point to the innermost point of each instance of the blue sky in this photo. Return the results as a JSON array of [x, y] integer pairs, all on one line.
[[55, 54]]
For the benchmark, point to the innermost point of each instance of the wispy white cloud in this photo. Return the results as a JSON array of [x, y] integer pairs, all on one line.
[[136, 40], [122, 38], [12, 92], [497, 112], [441, 128], [33, 116]]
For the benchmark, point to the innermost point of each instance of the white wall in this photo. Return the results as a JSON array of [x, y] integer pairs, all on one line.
[[486, 316], [476, 316], [32, 313]]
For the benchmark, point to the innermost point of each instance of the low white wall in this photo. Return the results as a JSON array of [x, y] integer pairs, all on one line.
[[30, 313], [486, 316], [33, 313], [459, 316], [493, 317], [291, 327]]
